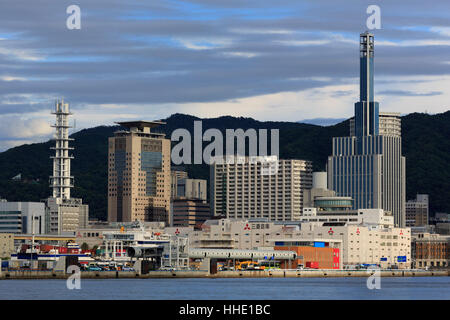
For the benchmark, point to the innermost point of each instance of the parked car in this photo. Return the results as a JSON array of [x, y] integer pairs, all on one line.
[[166, 268], [127, 269], [94, 268]]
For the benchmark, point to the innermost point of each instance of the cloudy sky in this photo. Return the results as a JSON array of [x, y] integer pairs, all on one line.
[[270, 60]]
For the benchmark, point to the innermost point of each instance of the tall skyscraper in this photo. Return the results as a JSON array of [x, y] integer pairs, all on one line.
[[139, 180], [369, 166], [240, 191], [64, 214]]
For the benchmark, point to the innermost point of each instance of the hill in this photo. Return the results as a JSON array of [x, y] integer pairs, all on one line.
[[426, 145]]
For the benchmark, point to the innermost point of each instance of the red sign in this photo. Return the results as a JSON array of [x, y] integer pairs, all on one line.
[[330, 232], [357, 231], [177, 232], [246, 227], [401, 232]]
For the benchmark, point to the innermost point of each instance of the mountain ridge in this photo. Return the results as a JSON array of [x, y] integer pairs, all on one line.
[[426, 147]]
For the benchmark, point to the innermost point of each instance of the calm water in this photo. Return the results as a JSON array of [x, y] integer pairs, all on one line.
[[207, 289]]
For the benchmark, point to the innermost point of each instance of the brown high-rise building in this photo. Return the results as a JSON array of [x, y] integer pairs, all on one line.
[[139, 174]]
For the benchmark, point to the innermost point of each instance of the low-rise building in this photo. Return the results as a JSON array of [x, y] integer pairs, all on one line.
[[235, 234], [430, 251], [364, 243], [6, 244]]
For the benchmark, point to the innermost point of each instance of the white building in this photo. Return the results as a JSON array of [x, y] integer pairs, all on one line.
[[367, 243], [17, 217], [361, 244], [63, 213], [244, 189]]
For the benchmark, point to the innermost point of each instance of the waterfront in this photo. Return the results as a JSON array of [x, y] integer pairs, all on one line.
[[235, 289]]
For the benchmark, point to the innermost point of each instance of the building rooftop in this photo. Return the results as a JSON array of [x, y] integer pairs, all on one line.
[[140, 124]]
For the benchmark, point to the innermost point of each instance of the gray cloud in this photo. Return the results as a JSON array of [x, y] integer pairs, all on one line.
[[155, 52], [409, 93]]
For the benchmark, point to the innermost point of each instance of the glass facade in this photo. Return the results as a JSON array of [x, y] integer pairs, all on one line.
[[151, 162]]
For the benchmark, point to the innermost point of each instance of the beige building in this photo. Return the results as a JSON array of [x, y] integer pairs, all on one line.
[[358, 244], [191, 189], [6, 244], [241, 190], [390, 124], [175, 176], [235, 234], [417, 211], [139, 177], [65, 216]]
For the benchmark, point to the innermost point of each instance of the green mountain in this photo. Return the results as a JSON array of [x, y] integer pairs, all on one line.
[[426, 145]]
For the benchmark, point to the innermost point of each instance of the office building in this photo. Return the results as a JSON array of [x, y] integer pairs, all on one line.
[[176, 175], [239, 190], [417, 211], [64, 214], [139, 176], [369, 167], [190, 212], [17, 217], [191, 189], [430, 251]]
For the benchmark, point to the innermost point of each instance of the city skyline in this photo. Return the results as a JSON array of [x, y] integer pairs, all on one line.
[[227, 58]]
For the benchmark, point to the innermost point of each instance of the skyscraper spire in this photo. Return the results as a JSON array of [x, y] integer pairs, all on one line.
[[366, 110]]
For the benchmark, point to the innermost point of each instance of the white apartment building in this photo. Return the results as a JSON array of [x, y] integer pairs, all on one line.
[[242, 189]]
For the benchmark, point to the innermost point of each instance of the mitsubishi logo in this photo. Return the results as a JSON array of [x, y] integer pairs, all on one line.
[[246, 227], [330, 232]]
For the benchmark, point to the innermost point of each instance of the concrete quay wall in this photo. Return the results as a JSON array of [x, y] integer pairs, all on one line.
[[327, 273], [30, 274]]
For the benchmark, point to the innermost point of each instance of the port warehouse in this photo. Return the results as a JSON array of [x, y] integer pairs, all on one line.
[[315, 256], [352, 241]]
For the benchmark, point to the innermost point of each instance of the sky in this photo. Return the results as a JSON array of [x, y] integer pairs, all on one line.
[[283, 60]]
